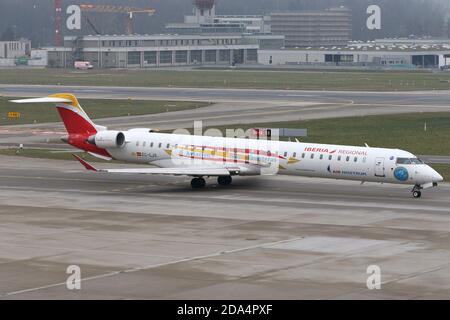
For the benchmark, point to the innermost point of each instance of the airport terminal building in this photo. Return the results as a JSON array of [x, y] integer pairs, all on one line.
[[384, 53], [146, 51]]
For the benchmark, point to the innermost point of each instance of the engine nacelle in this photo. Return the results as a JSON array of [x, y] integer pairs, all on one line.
[[108, 139]]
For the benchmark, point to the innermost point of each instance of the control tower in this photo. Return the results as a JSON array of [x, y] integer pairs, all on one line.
[[204, 12]]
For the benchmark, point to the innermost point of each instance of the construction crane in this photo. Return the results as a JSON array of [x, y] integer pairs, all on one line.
[[129, 11], [89, 22]]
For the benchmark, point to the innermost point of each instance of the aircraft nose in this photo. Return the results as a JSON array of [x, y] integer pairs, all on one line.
[[438, 178], [435, 176]]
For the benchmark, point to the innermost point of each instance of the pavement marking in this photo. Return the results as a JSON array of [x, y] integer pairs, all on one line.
[[192, 197], [153, 266]]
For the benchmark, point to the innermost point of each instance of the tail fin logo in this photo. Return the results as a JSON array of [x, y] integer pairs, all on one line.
[[74, 117]]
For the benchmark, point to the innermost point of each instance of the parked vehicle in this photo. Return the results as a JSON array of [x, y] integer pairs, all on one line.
[[83, 65]]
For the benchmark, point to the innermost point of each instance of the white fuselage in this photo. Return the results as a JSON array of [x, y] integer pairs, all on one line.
[[255, 157]]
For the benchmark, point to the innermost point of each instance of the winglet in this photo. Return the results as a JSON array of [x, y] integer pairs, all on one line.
[[85, 164]]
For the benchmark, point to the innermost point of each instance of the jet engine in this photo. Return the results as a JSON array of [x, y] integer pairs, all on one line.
[[108, 139]]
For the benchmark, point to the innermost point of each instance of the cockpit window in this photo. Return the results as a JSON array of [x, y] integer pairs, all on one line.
[[403, 161], [416, 161], [409, 161]]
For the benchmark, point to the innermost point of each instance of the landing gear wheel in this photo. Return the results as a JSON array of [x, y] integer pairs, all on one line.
[[198, 183], [224, 180], [417, 194]]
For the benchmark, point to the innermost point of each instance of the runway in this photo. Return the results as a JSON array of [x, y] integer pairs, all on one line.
[[427, 98], [262, 238]]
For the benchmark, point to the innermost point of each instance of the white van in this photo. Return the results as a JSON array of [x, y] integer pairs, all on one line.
[[83, 65]]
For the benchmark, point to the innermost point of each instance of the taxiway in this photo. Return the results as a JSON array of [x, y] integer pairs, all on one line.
[[262, 238]]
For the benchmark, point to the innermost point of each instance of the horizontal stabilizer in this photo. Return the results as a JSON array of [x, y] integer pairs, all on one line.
[[43, 100], [85, 164]]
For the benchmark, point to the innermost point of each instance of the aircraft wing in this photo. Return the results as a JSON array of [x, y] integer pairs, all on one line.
[[189, 171]]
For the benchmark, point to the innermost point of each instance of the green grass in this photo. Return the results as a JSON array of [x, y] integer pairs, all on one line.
[[405, 131], [39, 113], [263, 79], [46, 154]]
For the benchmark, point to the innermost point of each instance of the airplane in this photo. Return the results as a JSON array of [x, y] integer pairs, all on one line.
[[206, 156]]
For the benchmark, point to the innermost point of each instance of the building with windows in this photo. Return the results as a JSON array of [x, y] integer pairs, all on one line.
[[331, 27], [252, 24], [385, 53], [146, 51], [222, 24], [15, 49], [205, 21]]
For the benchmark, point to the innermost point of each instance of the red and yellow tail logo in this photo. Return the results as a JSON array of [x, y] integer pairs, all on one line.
[[75, 119]]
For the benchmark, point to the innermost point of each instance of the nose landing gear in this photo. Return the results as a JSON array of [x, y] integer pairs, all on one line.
[[417, 194], [416, 191]]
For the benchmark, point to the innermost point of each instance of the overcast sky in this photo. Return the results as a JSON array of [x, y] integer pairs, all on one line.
[[34, 18]]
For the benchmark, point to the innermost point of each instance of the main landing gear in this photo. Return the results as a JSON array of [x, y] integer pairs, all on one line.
[[224, 180], [416, 191], [199, 182]]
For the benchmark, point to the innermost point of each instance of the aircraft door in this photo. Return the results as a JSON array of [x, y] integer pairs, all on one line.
[[379, 167]]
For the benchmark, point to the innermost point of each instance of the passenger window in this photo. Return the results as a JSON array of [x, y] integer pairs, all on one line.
[[321, 156], [303, 156], [330, 157], [151, 145], [356, 159], [339, 158], [168, 146], [347, 159], [160, 144], [144, 144], [312, 155], [294, 155], [285, 154]]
